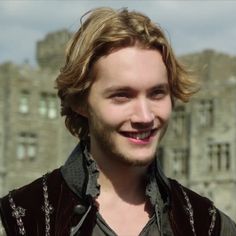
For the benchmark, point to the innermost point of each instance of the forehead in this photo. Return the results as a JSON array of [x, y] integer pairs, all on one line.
[[131, 66]]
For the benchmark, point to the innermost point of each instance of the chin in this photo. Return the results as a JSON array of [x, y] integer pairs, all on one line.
[[136, 160], [141, 163]]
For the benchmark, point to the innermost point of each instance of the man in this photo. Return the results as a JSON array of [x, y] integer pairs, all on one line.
[[117, 90]]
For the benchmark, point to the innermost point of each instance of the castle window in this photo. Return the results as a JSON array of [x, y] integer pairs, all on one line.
[[43, 105], [48, 105], [26, 146], [180, 162], [205, 112], [52, 107], [24, 102], [219, 157]]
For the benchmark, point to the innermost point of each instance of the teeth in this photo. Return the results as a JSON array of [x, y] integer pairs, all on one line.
[[141, 135]]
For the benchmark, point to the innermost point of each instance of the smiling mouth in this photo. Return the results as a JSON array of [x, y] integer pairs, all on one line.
[[140, 135]]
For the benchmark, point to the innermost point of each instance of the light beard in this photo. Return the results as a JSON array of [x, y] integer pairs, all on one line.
[[109, 149], [102, 136]]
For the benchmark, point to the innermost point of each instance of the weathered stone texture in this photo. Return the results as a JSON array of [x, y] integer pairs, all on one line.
[[51, 50]]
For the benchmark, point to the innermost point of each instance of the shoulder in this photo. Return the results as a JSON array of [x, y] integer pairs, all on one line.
[[186, 195], [40, 206], [197, 211], [34, 189], [203, 210], [28, 202]]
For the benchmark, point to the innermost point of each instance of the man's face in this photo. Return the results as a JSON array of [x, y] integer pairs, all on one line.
[[129, 106]]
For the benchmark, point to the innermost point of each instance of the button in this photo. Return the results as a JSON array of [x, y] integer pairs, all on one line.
[[79, 209]]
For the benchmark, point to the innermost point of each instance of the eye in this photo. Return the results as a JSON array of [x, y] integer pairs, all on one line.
[[120, 97], [159, 93]]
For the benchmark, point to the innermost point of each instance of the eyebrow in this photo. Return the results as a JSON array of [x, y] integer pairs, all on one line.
[[116, 88], [161, 86], [113, 89]]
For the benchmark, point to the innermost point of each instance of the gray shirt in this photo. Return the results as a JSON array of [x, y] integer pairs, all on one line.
[[101, 228]]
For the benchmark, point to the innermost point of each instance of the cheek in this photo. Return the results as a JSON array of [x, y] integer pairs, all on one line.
[[165, 110], [168, 108], [108, 115]]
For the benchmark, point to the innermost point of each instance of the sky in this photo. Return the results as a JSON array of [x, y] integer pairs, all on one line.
[[191, 25]]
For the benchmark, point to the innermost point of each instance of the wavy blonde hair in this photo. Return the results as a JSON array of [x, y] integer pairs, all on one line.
[[103, 31]]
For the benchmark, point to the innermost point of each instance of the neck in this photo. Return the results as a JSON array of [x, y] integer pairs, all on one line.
[[121, 180]]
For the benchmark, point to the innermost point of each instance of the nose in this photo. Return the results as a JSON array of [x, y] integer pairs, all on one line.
[[142, 112]]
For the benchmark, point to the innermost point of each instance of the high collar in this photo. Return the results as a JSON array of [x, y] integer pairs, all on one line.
[[80, 173]]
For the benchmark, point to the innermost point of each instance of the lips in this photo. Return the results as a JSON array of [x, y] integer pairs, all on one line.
[[140, 135]]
